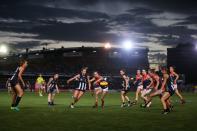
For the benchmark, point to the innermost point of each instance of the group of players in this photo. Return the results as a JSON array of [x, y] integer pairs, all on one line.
[[148, 84]]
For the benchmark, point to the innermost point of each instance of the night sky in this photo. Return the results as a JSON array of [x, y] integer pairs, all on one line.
[[157, 24]]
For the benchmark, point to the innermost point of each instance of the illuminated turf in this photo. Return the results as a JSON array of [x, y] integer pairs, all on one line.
[[36, 115]]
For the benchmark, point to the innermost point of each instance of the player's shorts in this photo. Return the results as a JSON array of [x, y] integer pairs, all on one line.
[[52, 90], [146, 91], [140, 87], [97, 87], [125, 90], [105, 89], [175, 86], [14, 83]]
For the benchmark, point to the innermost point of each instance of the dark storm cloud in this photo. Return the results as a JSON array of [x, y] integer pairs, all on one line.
[[34, 12], [101, 20]]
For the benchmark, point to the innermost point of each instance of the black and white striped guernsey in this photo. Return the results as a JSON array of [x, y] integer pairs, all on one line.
[[83, 82], [52, 84], [14, 77]]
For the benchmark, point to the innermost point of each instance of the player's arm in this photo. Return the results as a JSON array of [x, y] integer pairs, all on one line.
[[91, 80], [57, 88], [89, 84], [157, 83], [73, 78], [126, 81], [164, 82], [49, 82], [177, 77], [151, 82], [21, 70], [101, 78]]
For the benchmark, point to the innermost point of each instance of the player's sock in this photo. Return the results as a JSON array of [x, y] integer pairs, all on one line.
[[183, 101], [129, 103], [102, 103], [95, 105], [18, 99], [123, 104]]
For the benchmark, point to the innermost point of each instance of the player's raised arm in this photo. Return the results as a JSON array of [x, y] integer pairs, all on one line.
[[73, 78]]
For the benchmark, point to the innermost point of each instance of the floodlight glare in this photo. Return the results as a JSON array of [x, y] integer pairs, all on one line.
[[107, 45], [3, 49], [127, 45]]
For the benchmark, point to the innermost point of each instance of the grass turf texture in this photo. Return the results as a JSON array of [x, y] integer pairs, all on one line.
[[36, 115]]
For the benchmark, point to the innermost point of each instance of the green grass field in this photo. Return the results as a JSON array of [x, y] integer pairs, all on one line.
[[36, 115]]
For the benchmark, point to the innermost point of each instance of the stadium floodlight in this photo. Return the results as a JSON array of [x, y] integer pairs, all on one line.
[[127, 45], [107, 46], [3, 49]]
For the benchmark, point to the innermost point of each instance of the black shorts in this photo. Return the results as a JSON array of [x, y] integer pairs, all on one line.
[[14, 83], [80, 90], [52, 90], [125, 90]]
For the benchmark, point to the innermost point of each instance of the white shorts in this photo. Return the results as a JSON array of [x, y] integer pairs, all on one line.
[[175, 86], [146, 91], [140, 87], [99, 88], [106, 89]]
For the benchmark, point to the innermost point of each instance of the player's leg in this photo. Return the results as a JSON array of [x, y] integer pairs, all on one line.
[[104, 93], [75, 96], [97, 92], [164, 98], [40, 90], [179, 95], [14, 95], [49, 99], [169, 104], [20, 93], [52, 98], [123, 98], [139, 89], [143, 95], [150, 97], [127, 98], [81, 93]]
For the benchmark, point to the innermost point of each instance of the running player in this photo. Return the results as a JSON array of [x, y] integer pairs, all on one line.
[[125, 88], [157, 81], [147, 82], [138, 85], [100, 85], [168, 88], [175, 77], [83, 83], [52, 89], [17, 84]]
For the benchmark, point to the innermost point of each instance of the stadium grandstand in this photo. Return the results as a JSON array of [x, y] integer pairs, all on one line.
[[68, 61]]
